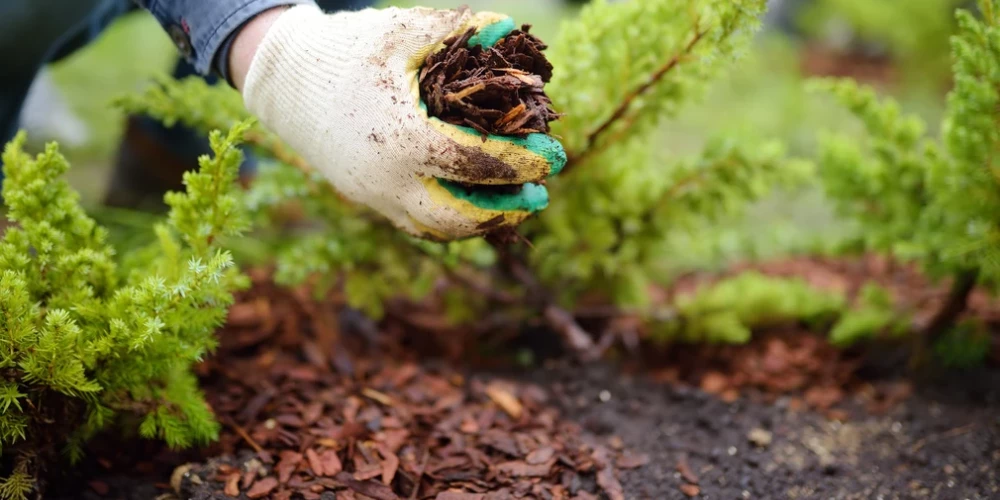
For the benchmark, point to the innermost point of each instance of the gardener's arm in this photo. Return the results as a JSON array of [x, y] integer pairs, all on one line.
[[203, 31], [341, 89]]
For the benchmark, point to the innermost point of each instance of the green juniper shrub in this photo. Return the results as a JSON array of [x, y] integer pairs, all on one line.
[[622, 205], [729, 310], [933, 201], [84, 345], [594, 238]]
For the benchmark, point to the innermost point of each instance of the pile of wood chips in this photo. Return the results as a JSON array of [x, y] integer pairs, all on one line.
[[301, 424], [495, 90]]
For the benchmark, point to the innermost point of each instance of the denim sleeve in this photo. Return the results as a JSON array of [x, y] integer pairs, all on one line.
[[201, 28]]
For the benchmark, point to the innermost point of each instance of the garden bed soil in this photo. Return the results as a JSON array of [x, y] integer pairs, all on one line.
[[680, 442], [318, 401]]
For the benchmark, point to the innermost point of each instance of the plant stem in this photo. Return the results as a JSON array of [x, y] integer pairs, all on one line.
[[541, 299], [954, 306]]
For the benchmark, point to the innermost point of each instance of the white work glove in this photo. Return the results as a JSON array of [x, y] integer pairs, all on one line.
[[341, 89]]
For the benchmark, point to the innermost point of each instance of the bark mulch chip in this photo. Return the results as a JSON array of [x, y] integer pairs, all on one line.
[[297, 427], [495, 90]]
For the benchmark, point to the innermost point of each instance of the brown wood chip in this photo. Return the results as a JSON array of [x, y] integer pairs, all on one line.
[[606, 477], [372, 489], [503, 398], [632, 460], [287, 463], [518, 468], [459, 495], [690, 490], [390, 463], [314, 462], [686, 472], [262, 488], [540, 455], [100, 487], [331, 463], [232, 487]]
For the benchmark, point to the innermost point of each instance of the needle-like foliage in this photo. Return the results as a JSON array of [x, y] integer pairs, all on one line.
[[615, 208], [931, 201], [81, 344]]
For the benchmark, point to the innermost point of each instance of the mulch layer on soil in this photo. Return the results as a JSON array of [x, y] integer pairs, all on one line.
[[388, 432], [305, 419], [301, 421]]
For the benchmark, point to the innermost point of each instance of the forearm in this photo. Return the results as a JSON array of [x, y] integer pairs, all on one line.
[[245, 43], [209, 34]]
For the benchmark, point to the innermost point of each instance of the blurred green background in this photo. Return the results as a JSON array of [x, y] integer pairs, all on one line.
[[761, 98]]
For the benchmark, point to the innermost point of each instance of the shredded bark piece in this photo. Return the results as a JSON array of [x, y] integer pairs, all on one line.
[[263, 488], [495, 90]]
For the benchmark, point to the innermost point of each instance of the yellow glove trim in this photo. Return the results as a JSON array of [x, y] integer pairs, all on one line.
[[438, 194]]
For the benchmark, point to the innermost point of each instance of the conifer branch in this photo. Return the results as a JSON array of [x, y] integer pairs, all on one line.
[[690, 181], [590, 148]]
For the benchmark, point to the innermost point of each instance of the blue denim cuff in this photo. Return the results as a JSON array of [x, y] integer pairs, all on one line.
[[200, 28]]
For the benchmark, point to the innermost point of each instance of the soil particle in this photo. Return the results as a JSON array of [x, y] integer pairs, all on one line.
[[760, 437]]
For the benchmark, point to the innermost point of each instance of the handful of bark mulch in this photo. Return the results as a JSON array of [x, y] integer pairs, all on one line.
[[496, 90], [299, 423]]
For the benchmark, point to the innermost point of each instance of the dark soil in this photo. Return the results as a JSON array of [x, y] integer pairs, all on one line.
[[941, 443], [495, 90]]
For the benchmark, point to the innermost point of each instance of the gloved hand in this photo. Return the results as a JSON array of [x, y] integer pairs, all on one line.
[[341, 89]]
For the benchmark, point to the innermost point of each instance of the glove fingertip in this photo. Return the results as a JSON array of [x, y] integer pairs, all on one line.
[[547, 147], [539, 145], [489, 34]]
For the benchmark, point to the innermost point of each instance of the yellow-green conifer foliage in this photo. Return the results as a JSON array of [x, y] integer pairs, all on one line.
[[81, 344], [930, 200]]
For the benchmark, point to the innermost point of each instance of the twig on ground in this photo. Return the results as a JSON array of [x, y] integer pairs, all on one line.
[[246, 437], [958, 431]]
